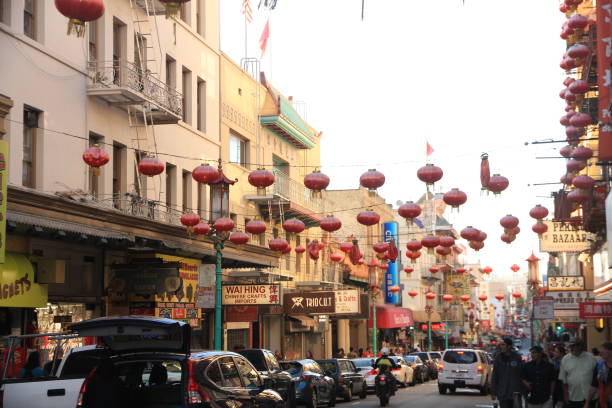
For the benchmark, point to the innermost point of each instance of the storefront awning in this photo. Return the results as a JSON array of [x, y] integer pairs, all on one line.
[[304, 320], [421, 316], [17, 286], [389, 317]]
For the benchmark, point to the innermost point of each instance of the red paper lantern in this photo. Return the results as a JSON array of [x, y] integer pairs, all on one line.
[[223, 224], [566, 151], [239, 238], [538, 212], [336, 257], [583, 182], [151, 166], [513, 231], [278, 244], [205, 174], [300, 249], [330, 224], [447, 298], [574, 166], [255, 227], [481, 236], [515, 268], [446, 241], [461, 270], [430, 295], [414, 245], [413, 255], [487, 270], [368, 218], [316, 182], [201, 228], [579, 87], [394, 289], [580, 120], [434, 269], [577, 22], [455, 198], [500, 296], [509, 221], [443, 251], [581, 153], [286, 250], [516, 295], [409, 211], [190, 219], [173, 7], [372, 179], [293, 225], [346, 247], [578, 51], [465, 298], [572, 132], [79, 12], [508, 238], [408, 270], [384, 266], [483, 298], [565, 120], [413, 293], [95, 157], [476, 245], [498, 183], [577, 197], [261, 178], [430, 241], [568, 80], [429, 174], [380, 247], [469, 233], [567, 179], [539, 228]]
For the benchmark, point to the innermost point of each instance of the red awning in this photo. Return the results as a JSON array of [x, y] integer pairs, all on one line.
[[389, 317]]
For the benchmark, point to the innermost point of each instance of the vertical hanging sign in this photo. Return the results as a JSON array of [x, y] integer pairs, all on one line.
[[391, 276], [3, 195], [604, 77]]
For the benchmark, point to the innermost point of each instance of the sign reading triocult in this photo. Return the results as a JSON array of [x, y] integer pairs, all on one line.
[[309, 303], [264, 294], [563, 237]]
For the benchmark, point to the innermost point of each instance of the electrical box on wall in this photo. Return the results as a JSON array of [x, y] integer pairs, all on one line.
[[51, 271]]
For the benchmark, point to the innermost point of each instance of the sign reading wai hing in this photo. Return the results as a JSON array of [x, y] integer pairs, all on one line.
[[310, 303], [566, 282], [264, 294], [563, 237]]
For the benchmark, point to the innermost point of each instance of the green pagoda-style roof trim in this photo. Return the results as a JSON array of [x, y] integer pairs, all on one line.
[[289, 130]]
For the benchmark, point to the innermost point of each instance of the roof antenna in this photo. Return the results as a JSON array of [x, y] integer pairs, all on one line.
[[362, 5]]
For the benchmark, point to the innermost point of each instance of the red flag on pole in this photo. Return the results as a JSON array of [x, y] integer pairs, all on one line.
[[263, 40], [247, 11], [429, 149]]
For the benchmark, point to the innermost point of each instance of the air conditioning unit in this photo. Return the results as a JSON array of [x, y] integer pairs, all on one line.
[[51, 271]]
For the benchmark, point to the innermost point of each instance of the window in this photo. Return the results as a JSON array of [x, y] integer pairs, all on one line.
[[94, 185], [5, 11], [330, 366], [214, 373], [231, 377], [186, 95], [30, 128], [298, 257], [140, 180], [202, 200], [288, 257], [250, 378], [201, 17], [187, 191], [29, 18], [119, 47], [93, 40], [185, 13], [201, 105], [118, 173], [170, 72], [170, 187], [238, 150], [460, 357], [140, 52], [272, 362]]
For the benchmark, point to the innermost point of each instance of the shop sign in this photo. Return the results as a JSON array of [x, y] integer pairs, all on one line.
[[310, 303], [17, 286], [3, 196], [563, 237], [264, 294], [543, 307], [458, 285], [206, 297], [241, 313], [185, 312], [347, 301], [141, 280], [391, 274], [596, 310], [570, 299], [604, 60], [434, 326], [142, 308], [566, 282]]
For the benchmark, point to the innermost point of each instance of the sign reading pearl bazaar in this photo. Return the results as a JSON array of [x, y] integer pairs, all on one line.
[[267, 294], [563, 237]]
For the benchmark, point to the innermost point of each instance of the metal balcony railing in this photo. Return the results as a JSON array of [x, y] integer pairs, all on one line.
[[294, 191], [126, 75]]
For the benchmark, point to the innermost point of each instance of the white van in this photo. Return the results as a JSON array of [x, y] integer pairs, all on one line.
[[464, 368]]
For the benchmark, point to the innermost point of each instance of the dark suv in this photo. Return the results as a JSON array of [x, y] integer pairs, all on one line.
[[431, 360], [349, 381], [268, 367], [148, 363]]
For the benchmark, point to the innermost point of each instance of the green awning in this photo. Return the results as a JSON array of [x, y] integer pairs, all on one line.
[[289, 125]]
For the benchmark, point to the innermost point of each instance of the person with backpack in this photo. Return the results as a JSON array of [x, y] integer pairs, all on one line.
[[601, 384], [32, 368]]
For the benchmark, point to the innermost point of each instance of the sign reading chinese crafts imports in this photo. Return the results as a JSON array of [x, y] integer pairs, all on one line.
[[265, 294], [309, 303], [391, 274], [566, 282], [570, 299], [604, 76], [347, 301], [543, 307], [596, 310], [3, 185], [563, 237]]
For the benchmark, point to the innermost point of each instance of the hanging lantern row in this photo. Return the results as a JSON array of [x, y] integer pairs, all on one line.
[[475, 237], [372, 180], [455, 198], [430, 174], [409, 211], [569, 5]]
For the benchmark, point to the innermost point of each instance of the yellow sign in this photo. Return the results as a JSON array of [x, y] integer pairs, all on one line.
[[17, 286], [563, 237], [3, 195]]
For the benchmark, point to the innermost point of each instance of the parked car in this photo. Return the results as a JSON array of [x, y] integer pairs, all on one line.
[[268, 367], [421, 371], [464, 368], [312, 386], [149, 365], [349, 381], [429, 358], [365, 367], [404, 374]]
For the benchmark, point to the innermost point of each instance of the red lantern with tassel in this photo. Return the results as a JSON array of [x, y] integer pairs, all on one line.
[[79, 12]]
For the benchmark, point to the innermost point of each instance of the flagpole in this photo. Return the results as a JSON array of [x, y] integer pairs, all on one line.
[[246, 54]]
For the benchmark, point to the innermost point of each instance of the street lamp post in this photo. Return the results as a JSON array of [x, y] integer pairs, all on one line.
[[374, 284], [446, 310]]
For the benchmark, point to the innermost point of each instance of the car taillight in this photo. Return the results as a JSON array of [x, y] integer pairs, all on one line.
[[396, 369], [480, 368], [440, 367], [373, 372], [195, 393], [83, 390]]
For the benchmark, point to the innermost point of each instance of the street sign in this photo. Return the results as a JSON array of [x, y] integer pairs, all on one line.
[[543, 307]]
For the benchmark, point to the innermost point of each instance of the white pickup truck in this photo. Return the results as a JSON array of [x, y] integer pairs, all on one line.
[[58, 390]]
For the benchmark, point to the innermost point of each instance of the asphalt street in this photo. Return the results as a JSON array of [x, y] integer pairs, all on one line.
[[425, 396]]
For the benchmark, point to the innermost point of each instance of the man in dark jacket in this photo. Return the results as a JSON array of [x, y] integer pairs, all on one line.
[[539, 378], [506, 378]]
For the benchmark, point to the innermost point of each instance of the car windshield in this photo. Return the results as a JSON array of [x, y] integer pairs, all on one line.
[[363, 362], [328, 366], [256, 358], [396, 359], [422, 355], [435, 355], [410, 359], [292, 367], [460, 357]]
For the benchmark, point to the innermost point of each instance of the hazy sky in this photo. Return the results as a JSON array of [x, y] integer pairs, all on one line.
[[473, 78]]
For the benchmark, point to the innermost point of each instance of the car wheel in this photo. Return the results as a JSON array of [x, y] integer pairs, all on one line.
[[364, 391], [314, 401], [414, 380], [332, 398], [348, 397], [442, 389], [424, 377], [452, 389], [484, 390]]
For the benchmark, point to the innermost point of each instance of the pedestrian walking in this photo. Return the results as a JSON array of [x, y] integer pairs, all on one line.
[[506, 379], [576, 373], [351, 353], [558, 352], [340, 353], [601, 384], [538, 377]]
